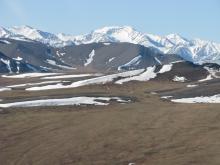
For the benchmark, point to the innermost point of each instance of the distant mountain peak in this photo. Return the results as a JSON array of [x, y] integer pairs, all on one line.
[[112, 29], [197, 51]]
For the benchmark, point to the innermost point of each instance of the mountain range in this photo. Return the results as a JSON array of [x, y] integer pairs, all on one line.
[[108, 48], [196, 50]]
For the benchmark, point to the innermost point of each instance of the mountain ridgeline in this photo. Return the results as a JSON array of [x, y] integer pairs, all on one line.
[[110, 49]]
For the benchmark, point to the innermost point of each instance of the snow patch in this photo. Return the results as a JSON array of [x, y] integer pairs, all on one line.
[[212, 72], [90, 59], [166, 68], [201, 99], [29, 75], [7, 63], [60, 54], [33, 84], [18, 58], [158, 61], [191, 86], [106, 43], [66, 101], [5, 41], [4, 89], [166, 97], [179, 79], [134, 62], [111, 59], [52, 62], [145, 76], [209, 77], [71, 76]]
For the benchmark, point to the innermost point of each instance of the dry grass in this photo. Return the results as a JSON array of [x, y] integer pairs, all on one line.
[[149, 131]]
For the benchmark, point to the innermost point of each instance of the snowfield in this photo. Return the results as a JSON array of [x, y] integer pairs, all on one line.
[[66, 101]]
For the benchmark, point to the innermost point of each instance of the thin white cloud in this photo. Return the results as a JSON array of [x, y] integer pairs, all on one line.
[[16, 8]]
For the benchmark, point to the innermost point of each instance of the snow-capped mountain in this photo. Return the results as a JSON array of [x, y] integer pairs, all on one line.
[[197, 51]]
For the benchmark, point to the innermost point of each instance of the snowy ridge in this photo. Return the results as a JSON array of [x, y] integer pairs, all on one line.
[[196, 50]]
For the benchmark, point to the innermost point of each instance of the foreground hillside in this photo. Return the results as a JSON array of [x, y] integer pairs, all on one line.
[[148, 130], [156, 115]]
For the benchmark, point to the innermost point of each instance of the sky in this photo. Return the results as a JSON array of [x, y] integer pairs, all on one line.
[[189, 18]]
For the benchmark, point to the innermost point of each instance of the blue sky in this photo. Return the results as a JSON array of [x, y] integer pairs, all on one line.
[[189, 18]]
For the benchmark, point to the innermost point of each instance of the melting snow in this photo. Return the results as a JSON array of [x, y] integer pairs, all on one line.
[[7, 63], [18, 58], [138, 75], [166, 97], [166, 68], [28, 75], [145, 76], [60, 54], [212, 72], [191, 86], [65, 101], [209, 77], [52, 62], [32, 84], [134, 62], [179, 79], [97, 80], [18, 66], [106, 43], [201, 99], [111, 59], [5, 89], [70, 76], [5, 41], [90, 59]]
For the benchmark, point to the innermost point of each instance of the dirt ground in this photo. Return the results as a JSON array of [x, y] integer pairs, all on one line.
[[148, 131]]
